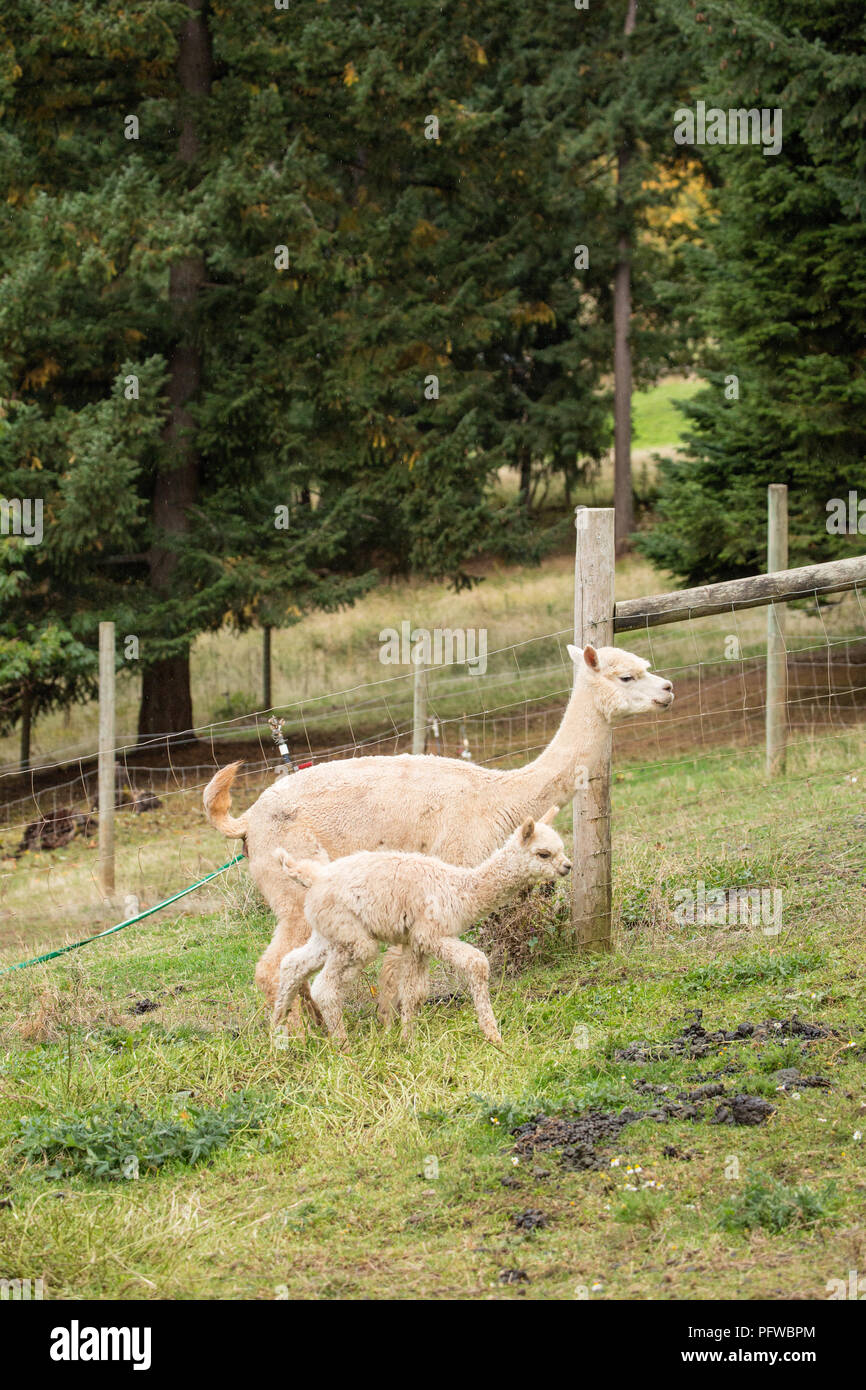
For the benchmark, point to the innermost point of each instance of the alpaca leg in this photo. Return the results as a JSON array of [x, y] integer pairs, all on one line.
[[292, 930], [330, 988], [474, 966], [296, 967], [390, 977], [413, 986], [351, 948]]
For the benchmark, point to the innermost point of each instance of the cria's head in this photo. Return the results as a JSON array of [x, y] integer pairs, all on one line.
[[620, 682], [538, 843]]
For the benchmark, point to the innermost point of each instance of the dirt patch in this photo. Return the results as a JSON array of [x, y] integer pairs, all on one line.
[[574, 1140], [143, 1006], [743, 1110], [577, 1141], [531, 1220], [56, 829], [789, 1079], [695, 1041]]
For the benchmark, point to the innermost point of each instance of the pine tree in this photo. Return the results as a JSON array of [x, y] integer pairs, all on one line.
[[782, 285], [268, 333]]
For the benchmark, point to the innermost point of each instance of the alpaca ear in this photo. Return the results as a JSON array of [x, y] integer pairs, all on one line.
[[527, 830], [549, 816], [573, 652], [590, 656]]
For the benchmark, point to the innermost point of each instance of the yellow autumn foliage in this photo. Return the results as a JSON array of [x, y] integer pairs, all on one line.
[[537, 312], [41, 375]]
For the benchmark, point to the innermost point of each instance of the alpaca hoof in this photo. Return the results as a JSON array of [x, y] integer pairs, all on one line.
[[289, 1023], [309, 1005], [495, 1038]]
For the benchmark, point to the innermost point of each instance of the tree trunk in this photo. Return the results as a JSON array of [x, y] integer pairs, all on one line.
[[267, 702], [525, 477], [166, 698], [623, 498], [166, 702], [26, 725]]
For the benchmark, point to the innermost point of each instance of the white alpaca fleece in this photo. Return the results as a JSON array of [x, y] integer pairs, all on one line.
[[441, 806], [411, 900]]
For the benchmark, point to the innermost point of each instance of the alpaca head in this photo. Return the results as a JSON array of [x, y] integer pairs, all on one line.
[[620, 682], [540, 850]]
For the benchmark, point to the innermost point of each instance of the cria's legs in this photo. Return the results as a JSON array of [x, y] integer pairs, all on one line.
[[332, 985], [390, 977], [412, 987], [296, 967], [474, 967]]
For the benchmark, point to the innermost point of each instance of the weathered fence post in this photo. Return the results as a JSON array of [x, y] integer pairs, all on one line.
[[106, 759], [419, 711], [777, 657], [593, 623]]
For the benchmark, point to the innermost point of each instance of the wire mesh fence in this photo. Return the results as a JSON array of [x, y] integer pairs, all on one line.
[[48, 878]]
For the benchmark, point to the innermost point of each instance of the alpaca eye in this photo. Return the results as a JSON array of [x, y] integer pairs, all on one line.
[[544, 854], [626, 678]]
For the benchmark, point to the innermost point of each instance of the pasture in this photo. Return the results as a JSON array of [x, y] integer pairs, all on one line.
[[394, 1172]]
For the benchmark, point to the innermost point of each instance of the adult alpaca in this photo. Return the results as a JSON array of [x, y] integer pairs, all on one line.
[[445, 807]]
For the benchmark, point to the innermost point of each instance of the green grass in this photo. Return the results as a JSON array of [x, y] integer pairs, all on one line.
[[387, 1170], [656, 422]]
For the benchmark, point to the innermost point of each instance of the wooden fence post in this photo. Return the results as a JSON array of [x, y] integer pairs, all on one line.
[[419, 711], [593, 623], [777, 657], [106, 759]]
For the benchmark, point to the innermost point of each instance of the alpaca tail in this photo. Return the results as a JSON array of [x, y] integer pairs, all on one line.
[[217, 803], [303, 871]]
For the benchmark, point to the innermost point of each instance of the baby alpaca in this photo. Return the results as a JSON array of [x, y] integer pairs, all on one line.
[[411, 900]]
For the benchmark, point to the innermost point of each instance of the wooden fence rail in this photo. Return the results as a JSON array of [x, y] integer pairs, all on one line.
[[752, 592]]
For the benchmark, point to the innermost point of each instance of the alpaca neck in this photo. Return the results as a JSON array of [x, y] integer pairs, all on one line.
[[493, 883], [581, 741]]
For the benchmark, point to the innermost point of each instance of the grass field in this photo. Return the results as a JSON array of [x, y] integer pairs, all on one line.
[[656, 422], [157, 1143], [390, 1171]]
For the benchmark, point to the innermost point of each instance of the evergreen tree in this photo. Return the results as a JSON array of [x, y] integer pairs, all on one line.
[[266, 332], [782, 285]]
